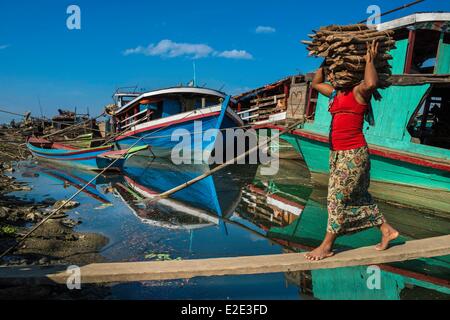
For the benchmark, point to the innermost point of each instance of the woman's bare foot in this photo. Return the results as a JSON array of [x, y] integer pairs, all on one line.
[[319, 253], [388, 234]]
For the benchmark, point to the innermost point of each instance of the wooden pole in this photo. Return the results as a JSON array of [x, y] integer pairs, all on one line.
[[410, 52], [186, 269]]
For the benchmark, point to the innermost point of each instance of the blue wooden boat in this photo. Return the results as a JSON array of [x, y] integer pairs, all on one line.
[[66, 155], [172, 117]]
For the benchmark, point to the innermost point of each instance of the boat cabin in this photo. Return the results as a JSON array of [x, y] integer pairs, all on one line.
[[134, 109]]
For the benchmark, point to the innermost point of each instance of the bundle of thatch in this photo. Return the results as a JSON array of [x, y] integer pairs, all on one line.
[[344, 48]]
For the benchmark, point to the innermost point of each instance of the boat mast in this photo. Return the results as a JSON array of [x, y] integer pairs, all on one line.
[[195, 74]]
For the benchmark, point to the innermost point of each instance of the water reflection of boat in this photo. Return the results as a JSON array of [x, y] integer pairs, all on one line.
[[359, 283], [269, 209], [199, 205], [166, 213], [76, 178], [219, 193], [305, 231]]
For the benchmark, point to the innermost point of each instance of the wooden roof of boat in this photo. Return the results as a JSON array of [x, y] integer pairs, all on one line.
[[173, 90], [415, 18]]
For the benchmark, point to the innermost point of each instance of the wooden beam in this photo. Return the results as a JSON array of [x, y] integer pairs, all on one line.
[[417, 79], [170, 270], [410, 52]]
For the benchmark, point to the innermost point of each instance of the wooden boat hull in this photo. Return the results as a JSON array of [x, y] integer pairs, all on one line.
[[82, 158], [183, 130], [395, 176], [103, 163]]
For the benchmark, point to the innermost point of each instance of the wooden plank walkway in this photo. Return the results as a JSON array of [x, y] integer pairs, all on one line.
[[171, 270]]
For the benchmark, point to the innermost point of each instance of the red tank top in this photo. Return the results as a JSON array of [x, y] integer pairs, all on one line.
[[347, 124]]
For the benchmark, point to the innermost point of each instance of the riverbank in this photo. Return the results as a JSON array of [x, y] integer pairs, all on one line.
[[55, 242]]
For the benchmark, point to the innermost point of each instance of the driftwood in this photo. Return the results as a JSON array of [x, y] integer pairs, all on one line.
[[344, 49]]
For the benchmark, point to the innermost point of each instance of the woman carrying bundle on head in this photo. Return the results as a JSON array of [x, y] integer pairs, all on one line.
[[350, 206]]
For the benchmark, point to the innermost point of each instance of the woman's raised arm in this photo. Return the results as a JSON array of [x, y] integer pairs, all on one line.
[[366, 88], [319, 84]]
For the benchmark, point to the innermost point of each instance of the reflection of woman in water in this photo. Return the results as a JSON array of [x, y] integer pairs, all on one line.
[[350, 206]]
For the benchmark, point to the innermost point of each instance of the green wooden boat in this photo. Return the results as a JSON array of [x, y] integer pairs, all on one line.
[[407, 169]]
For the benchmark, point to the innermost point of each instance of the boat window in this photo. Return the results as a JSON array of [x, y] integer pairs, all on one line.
[[430, 125], [425, 51], [198, 102]]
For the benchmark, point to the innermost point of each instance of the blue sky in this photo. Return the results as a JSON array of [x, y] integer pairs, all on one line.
[[237, 45]]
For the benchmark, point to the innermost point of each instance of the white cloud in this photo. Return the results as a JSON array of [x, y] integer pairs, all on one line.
[[4, 46], [170, 49], [265, 29], [235, 54]]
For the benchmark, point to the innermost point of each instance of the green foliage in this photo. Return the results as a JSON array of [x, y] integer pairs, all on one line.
[[7, 230], [160, 257]]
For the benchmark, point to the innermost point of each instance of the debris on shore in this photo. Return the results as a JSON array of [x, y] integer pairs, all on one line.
[[54, 243]]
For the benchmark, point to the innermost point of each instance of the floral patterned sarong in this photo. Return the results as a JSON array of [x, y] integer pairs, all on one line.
[[350, 205]]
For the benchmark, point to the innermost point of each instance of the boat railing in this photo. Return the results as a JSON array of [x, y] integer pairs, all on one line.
[[134, 116]]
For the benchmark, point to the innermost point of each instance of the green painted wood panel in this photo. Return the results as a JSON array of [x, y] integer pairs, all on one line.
[[443, 62], [316, 156], [399, 57], [322, 118], [393, 113], [351, 284]]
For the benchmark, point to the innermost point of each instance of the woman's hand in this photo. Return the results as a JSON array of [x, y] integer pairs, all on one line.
[[372, 51]]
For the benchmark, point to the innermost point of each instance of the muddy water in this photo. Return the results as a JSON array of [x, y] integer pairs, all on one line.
[[235, 213]]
